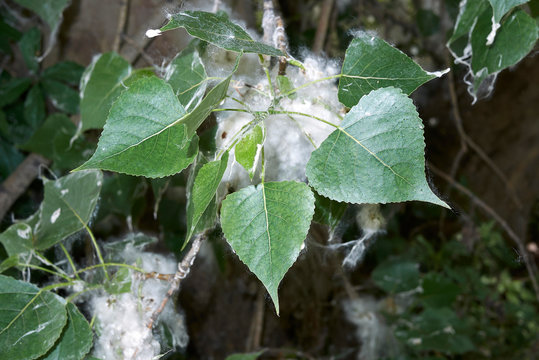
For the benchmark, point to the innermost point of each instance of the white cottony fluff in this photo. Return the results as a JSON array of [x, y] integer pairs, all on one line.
[[377, 341], [290, 138], [122, 319]]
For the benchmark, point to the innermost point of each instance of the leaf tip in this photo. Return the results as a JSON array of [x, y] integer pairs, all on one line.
[[151, 33]]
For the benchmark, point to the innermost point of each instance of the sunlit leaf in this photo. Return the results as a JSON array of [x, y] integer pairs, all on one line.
[[376, 155], [187, 76], [218, 30], [203, 191], [248, 149], [370, 63], [148, 132], [266, 226], [100, 85]]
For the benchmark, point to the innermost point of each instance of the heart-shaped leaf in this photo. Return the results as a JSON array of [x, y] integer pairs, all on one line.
[[217, 29], [370, 63], [266, 226], [376, 155]]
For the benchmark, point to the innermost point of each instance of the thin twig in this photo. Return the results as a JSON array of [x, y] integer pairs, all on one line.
[[516, 239], [19, 180], [322, 28], [282, 44], [122, 17], [183, 270]]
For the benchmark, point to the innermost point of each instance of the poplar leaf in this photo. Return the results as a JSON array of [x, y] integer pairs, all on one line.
[[148, 132], [76, 339], [248, 148], [266, 226], [514, 40], [217, 29], [370, 63], [50, 11], [31, 320], [203, 191], [187, 76], [100, 85], [376, 155], [67, 206], [502, 7]]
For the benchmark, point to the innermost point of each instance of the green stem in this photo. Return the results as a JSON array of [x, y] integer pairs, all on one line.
[[89, 288], [266, 70], [70, 261], [97, 250], [47, 262], [309, 84], [112, 264], [231, 109], [65, 277], [273, 112]]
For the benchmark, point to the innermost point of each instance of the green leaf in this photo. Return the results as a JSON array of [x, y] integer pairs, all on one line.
[[438, 291], [50, 11], [76, 339], [65, 71], [145, 133], [30, 44], [266, 226], [12, 89], [376, 155], [18, 238], [31, 320], [285, 85], [187, 76], [436, 330], [327, 211], [502, 7], [248, 149], [120, 282], [8, 263], [468, 13], [148, 132], [218, 30], [67, 206], [61, 96], [100, 85], [203, 191], [514, 40], [53, 140], [370, 63], [395, 276], [34, 107]]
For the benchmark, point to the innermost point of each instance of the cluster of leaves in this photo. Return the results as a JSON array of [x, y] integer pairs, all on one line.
[[490, 36], [457, 300], [34, 109]]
